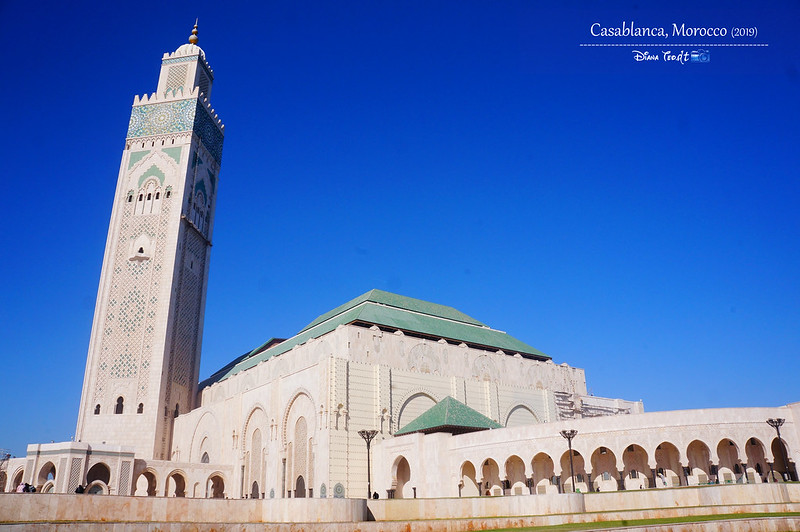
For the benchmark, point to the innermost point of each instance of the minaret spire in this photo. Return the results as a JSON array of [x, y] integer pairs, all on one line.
[[193, 37]]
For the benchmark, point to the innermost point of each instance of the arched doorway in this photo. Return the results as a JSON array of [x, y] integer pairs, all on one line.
[[604, 470], [300, 488], [543, 473], [490, 479], [216, 487], [668, 466], [402, 474], [146, 484], [579, 467], [780, 453], [176, 485], [698, 457], [636, 469], [98, 478], [515, 476], [729, 469], [46, 473], [757, 467], [469, 486]]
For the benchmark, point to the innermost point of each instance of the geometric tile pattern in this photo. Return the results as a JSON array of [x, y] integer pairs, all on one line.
[[177, 116]]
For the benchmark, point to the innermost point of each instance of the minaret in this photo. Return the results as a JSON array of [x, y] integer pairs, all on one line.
[[144, 352]]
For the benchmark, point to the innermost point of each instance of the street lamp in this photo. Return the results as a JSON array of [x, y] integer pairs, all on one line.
[[776, 424], [368, 435], [569, 434]]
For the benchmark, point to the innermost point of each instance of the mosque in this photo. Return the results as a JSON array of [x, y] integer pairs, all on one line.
[[384, 396]]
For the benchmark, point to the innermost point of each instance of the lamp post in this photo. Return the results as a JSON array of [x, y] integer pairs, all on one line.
[[569, 434], [368, 435], [776, 423]]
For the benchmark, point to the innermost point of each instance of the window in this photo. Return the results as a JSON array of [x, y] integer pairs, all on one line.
[[140, 409], [141, 197], [606, 475], [96, 410], [737, 469], [130, 198], [758, 468], [177, 410], [149, 196], [158, 195], [120, 406], [634, 473], [204, 458], [141, 250], [169, 193]]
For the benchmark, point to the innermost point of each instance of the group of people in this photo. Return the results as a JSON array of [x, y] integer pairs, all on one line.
[[24, 487]]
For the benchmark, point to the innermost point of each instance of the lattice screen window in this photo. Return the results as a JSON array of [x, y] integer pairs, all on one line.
[[176, 76], [202, 82], [124, 474]]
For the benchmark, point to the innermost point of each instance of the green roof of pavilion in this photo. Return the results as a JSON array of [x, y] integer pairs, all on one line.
[[391, 311], [449, 415]]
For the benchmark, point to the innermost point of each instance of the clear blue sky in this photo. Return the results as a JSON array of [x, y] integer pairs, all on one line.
[[639, 220]]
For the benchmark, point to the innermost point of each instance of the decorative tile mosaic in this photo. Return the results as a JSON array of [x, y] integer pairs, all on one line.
[[174, 117]]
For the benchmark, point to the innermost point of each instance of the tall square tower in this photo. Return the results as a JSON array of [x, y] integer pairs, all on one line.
[[144, 352]]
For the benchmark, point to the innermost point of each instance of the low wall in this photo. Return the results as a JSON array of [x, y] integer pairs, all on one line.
[[83, 512], [36, 507]]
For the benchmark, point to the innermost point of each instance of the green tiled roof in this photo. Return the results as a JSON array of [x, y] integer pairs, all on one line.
[[449, 415], [390, 311]]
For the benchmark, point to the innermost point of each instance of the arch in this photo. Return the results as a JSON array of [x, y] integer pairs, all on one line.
[[698, 457], [301, 403], [490, 478], [468, 485], [413, 407], [520, 415], [578, 467], [300, 488], [205, 438], [401, 475], [99, 471], [780, 455], [668, 466], [46, 472], [729, 469], [47, 487], [604, 470], [175, 484], [757, 467], [254, 492], [636, 468], [543, 473], [515, 476], [146, 484], [16, 479], [216, 486], [120, 406]]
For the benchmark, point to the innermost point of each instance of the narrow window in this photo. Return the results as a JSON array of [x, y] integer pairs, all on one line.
[[96, 410], [120, 406], [149, 196], [204, 459], [634, 473], [141, 251], [141, 197], [130, 198], [177, 410], [140, 409], [606, 475], [158, 194], [169, 193]]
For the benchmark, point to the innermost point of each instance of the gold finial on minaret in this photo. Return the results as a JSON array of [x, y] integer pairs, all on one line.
[[193, 37]]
